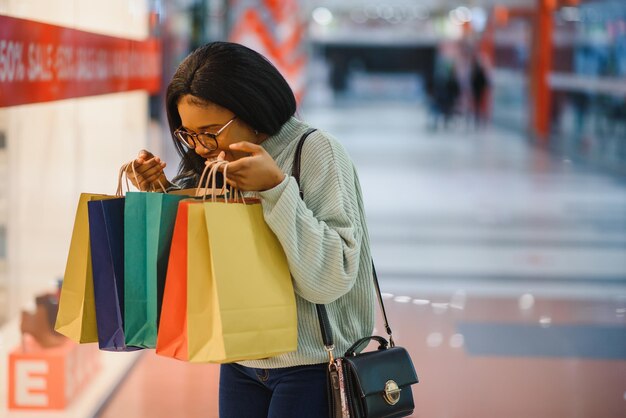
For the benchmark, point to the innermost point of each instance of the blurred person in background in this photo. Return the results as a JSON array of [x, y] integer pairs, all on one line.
[[445, 89], [479, 83], [227, 102]]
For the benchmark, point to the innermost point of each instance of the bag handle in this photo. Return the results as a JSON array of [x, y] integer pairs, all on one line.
[[234, 191], [120, 190], [209, 176], [124, 173], [360, 345], [322, 314]]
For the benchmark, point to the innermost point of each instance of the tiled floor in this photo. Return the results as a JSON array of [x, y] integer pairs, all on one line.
[[504, 271]]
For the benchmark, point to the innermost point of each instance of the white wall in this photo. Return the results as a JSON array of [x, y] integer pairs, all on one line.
[[123, 18], [58, 150]]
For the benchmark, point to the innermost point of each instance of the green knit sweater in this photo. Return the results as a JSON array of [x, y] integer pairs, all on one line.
[[326, 242]]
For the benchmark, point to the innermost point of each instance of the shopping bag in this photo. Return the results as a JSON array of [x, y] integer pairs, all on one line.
[[240, 298], [76, 318], [172, 332], [106, 229], [148, 226]]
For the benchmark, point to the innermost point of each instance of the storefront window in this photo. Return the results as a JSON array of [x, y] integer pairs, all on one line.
[[3, 225], [510, 79], [590, 94]]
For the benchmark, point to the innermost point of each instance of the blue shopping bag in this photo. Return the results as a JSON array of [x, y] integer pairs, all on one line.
[[106, 228]]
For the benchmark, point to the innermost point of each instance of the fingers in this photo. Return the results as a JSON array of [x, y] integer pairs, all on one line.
[[247, 147], [255, 172], [237, 165], [144, 155], [154, 162], [145, 169], [151, 176], [232, 176], [237, 172], [146, 172], [232, 183]]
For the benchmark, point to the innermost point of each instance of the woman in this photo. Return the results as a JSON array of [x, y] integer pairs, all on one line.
[[226, 101]]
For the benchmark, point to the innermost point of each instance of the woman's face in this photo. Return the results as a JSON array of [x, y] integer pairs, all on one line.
[[211, 118]]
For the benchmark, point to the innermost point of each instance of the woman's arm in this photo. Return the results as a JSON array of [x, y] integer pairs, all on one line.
[[321, 235]]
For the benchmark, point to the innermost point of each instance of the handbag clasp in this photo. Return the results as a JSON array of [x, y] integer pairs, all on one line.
[[392, 392]]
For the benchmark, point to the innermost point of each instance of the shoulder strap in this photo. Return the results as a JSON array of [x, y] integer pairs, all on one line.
[[322, 314], [295, 171]]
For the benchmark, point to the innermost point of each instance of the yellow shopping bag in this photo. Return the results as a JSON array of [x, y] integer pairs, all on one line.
[[240, 298], [76, 318]]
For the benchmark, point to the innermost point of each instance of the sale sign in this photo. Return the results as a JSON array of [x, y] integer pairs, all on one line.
[[41, 62]]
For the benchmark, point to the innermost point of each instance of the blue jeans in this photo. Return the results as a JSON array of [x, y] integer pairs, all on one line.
[[288, 392]]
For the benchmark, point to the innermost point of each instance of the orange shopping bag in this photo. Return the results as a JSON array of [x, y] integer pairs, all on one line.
[[172, 335]]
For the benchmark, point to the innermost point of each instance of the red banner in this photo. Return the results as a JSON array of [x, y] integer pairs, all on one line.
[[42, 63]]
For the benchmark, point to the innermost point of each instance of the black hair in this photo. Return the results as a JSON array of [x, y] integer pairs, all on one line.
[[236, 78]]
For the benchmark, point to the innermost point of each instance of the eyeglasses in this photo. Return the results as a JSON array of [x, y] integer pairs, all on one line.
[[207, 139]]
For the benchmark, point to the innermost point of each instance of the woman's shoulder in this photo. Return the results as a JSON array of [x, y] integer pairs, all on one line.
[[324, 156], [321, 145]]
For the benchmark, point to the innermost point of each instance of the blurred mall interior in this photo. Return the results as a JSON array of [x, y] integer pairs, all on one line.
[[490, 140]]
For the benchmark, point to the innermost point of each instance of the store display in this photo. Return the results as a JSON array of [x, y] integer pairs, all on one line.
[[105, 64], [49, 377], [47, 370], [40, 324]]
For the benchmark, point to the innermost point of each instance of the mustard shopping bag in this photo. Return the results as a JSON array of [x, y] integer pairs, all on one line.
[[76, 318], [240, 298]]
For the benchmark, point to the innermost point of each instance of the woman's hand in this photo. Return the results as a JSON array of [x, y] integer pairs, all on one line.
[[149, 171], [256, 173]]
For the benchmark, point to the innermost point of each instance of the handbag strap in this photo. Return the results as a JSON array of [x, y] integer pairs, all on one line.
[[297, 161], [322, 314]]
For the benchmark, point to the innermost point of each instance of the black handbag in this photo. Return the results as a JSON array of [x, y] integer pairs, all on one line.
[[375, 384]]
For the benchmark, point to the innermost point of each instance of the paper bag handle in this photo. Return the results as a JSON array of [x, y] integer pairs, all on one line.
[[209, 175], [124, 173]]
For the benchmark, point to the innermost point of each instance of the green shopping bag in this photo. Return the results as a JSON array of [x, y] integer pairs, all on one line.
[[148, 227]]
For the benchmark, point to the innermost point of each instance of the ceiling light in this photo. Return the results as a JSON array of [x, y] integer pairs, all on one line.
[[322, 16]]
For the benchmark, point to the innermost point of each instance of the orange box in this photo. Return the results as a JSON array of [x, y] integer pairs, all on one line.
[[49, 378]]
